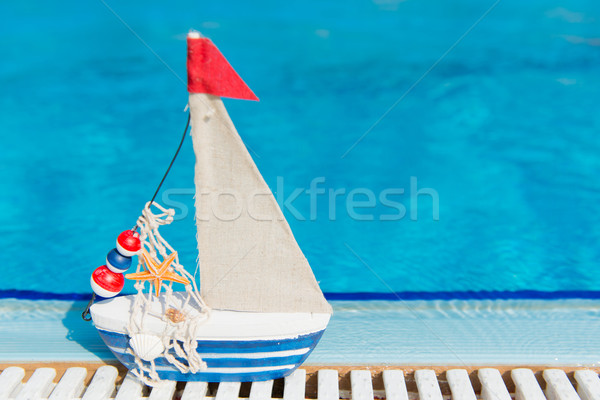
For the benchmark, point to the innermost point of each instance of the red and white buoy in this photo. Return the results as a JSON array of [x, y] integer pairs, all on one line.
[[128, 243], [106, 283]]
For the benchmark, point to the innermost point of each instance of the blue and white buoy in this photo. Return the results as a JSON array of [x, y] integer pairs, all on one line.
[[117, 262]]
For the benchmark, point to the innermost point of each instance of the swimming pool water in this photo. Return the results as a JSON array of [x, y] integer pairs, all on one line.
[[504, 129]]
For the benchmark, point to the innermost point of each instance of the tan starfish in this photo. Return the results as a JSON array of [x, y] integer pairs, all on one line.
[[156, 273]]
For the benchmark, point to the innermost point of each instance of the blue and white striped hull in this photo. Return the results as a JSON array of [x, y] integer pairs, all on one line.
[[235, 345], [229, 360]]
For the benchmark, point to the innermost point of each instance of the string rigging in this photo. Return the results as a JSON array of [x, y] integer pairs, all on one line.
[[187, 125], [86, 313]]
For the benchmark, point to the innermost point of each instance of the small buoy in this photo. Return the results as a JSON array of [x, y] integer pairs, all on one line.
[[117, 262], [106, 283], [128, 243]]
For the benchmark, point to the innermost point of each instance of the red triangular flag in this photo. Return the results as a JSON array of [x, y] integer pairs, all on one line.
[[209, 72]]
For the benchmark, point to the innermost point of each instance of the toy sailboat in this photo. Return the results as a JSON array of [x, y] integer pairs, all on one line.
[[260, 311]]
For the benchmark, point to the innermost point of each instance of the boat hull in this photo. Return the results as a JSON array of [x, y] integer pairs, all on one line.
[[236, 346], [228, 360]]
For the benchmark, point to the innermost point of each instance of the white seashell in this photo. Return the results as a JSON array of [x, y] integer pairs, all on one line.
[[147, 347]]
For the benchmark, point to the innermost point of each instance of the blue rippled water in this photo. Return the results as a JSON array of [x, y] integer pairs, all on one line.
[[504, 128]]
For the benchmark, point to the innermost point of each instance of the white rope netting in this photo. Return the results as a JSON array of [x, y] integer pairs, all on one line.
[[181, 312]]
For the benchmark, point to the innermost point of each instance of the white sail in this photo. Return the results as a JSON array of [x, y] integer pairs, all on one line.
[[249, 259]]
